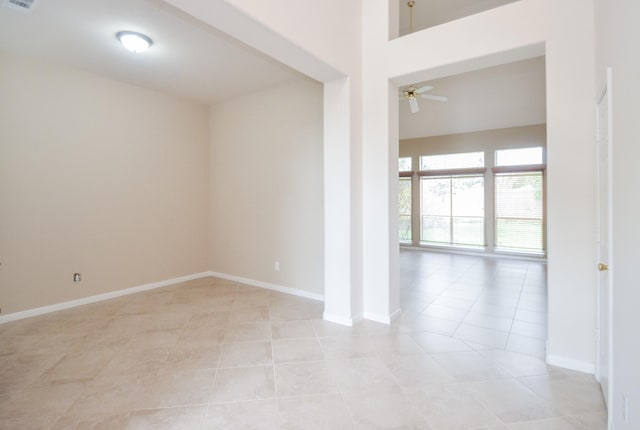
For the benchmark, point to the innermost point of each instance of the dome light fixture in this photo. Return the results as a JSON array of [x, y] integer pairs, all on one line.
[[134, 42]]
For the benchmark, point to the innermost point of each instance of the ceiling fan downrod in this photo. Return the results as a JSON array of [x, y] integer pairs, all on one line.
[[411, 4]]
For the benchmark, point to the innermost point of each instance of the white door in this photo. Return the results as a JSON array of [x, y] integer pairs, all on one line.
[[604, 234]]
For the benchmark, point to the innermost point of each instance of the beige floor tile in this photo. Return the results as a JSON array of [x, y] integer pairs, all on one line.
[[292, 329], [296, 350], [22, 370], [246, 332], [517, 365], [535, 306], [77, 367], [250, 315], [550, 424], [207, 317], [250, 300], [194, 357], [436, 343], [341, 347], [173, 387], [455, 303], [538, 331], [384, 409], [488, 321], [494, 310], [205, 334], [319, 412], [157, 356], [589, 421], [501, 300], [94, 422], [300, 379], [395, 345], [162, 321], [243, 383], [430, 324], [416, 370], [241, 354], [482, 336], [362, 375], [136, 361], [450, 407], [180, 418], [571, 393], [462, 292], [155, 339], [114, 394], [250, 415], [478, 347], [308, 311], [527, 345], [531, 317], [128, 325], [469, 366], [445, 312], [511, 401], [40, 407]]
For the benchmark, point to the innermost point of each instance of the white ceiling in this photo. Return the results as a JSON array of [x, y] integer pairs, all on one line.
[[504, 96], [428, 13], [188, 59]]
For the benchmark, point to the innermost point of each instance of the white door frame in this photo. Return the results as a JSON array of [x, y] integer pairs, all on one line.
[[606, 92]]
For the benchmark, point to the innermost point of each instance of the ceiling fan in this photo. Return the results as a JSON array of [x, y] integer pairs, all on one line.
[[412, 93]]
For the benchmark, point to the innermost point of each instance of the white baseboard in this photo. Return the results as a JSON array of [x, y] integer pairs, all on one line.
[[98, 298], [268, 286], [349, 322], [571, 364], [383, 319]]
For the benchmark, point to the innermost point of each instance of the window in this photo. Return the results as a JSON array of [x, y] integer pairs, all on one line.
[[404, 164], [452, 210], [452, 199], [405, 210], [519, 157], [405, 200], [464, 160], [519, 200]]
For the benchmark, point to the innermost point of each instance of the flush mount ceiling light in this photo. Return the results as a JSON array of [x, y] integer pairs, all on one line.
[[134, 42]]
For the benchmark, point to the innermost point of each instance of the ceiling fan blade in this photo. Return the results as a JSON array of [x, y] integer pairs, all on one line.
[[423, 89], [413, 104], [431, 97]]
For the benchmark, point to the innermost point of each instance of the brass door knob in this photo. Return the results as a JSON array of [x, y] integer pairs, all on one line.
[[602, 267]]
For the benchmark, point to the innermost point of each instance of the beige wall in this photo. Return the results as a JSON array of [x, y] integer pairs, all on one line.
[[97, 177], [487, 141], [266, 187]]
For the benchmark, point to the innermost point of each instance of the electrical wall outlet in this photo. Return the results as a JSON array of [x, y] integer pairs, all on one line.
[[77, 277], [276, 266]]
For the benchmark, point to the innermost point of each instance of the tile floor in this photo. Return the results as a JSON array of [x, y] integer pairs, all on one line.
[[213, 354]]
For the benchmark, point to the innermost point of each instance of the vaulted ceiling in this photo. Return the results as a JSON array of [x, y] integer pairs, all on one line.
[[191, 60]]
